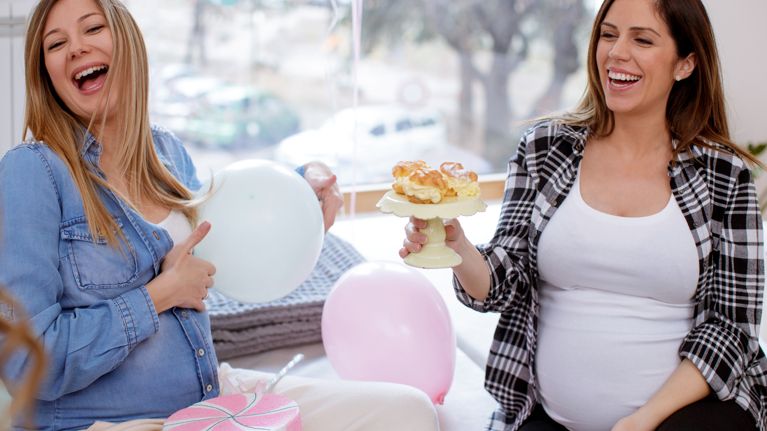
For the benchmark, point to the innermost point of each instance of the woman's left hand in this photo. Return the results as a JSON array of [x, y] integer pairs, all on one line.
[[634, 422], [323, 182]]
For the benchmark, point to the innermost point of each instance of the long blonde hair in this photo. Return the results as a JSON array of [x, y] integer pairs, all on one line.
[[50, 120], [16, 335], [696, 107]]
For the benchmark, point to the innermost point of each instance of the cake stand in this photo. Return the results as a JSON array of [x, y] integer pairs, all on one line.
[[435, 253]]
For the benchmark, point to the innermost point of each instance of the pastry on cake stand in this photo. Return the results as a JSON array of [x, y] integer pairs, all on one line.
[[435, 253]]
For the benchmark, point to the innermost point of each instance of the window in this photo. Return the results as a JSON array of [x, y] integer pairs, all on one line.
[[436, 80]]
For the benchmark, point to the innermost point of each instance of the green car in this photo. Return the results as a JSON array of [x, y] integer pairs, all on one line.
[[238, 117]]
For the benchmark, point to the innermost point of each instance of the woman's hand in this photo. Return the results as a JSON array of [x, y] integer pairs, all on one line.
[[685, 386], [185, 279], [415, 240], [633, 422], [472, 273], [324, 184]]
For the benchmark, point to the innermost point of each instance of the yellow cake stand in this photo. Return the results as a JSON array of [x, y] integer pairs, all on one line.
[[435, 253]]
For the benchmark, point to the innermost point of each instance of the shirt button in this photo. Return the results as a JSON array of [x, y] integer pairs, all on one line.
[[209, 388], [184, 314], [156, 235], [201, 352]]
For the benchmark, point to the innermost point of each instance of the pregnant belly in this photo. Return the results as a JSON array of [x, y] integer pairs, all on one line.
[[588, 380]]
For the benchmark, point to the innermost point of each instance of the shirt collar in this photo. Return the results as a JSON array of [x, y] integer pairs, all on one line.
[[91, 151], [577, 135], [91, 148], [684, 157]]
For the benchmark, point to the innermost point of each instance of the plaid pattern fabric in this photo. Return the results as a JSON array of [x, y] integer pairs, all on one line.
[[242, 329], [716, 193]]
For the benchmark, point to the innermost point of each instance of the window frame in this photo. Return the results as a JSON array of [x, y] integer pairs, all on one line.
[[367, 195]]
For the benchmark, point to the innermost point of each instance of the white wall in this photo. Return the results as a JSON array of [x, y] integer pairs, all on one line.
[[6, 100], [741, 38], [12, 21]]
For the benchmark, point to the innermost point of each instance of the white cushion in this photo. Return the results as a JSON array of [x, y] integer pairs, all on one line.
[[467, 405]]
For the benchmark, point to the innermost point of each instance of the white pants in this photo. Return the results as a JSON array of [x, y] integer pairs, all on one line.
[[343, 405]]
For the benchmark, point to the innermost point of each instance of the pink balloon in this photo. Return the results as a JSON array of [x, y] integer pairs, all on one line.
[[383, 321]]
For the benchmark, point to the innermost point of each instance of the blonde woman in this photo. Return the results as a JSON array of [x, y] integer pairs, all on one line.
[[98, 234], [627, 263]]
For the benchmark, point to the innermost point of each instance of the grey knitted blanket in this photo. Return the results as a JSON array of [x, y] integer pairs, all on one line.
[[243, 329]]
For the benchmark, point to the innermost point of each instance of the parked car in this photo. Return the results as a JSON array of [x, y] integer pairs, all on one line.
[[384, 135], [213, 113], [176, 98], [235, 116]]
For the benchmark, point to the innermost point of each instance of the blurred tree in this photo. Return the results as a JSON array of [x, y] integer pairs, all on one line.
[[503, 28], [196, 41], [564, 17], [495, 26]]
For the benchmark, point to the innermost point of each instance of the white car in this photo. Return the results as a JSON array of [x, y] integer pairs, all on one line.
[[383, 135]]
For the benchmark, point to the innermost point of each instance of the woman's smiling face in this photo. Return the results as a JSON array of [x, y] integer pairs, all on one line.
[[637, 58], [77, 50]]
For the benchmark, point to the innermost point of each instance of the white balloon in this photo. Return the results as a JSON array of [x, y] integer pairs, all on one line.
[[267, 230]]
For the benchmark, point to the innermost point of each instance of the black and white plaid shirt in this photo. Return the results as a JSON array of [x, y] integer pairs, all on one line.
[[714, 189]]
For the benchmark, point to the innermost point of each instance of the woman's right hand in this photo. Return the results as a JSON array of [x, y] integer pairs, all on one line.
[[185, 279], [415, 239], [473, 273]]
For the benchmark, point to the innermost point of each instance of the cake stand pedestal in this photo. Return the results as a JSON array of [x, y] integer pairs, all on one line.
[[435, 253]]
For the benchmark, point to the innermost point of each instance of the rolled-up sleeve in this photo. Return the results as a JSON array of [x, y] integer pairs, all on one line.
[[507, 255], [725, 343]]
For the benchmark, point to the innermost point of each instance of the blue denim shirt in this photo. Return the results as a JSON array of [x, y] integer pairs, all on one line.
[[110, 355]]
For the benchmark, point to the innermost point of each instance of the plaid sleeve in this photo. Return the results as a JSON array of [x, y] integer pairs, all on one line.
[[507, 254], [725, 343]]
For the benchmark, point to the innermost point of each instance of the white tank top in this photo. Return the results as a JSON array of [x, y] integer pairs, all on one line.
[[177, 226], [615, 303]]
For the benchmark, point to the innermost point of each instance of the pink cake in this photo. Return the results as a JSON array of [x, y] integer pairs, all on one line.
[[238, 412]]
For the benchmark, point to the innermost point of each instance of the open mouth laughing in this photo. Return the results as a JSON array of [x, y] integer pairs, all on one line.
[[622, 80], [90, 78]]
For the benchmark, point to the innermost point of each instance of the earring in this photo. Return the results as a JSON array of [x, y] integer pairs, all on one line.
[[678, 78]]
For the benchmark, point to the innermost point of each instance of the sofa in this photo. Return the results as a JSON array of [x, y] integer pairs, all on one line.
[[378, 237]]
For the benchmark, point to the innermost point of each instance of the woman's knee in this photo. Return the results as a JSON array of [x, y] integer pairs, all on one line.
[[392, 406], [361, 406], [416, 410]]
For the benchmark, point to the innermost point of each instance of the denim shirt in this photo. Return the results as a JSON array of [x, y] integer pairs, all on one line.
[[110, 355]]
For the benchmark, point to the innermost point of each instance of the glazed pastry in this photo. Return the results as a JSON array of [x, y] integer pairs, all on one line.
[[422, 184], [461, 182], [402, 170], [425, 186]]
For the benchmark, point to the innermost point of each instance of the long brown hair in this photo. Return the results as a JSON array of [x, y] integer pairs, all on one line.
[[50, 120], [696, 110], [16, 335]]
